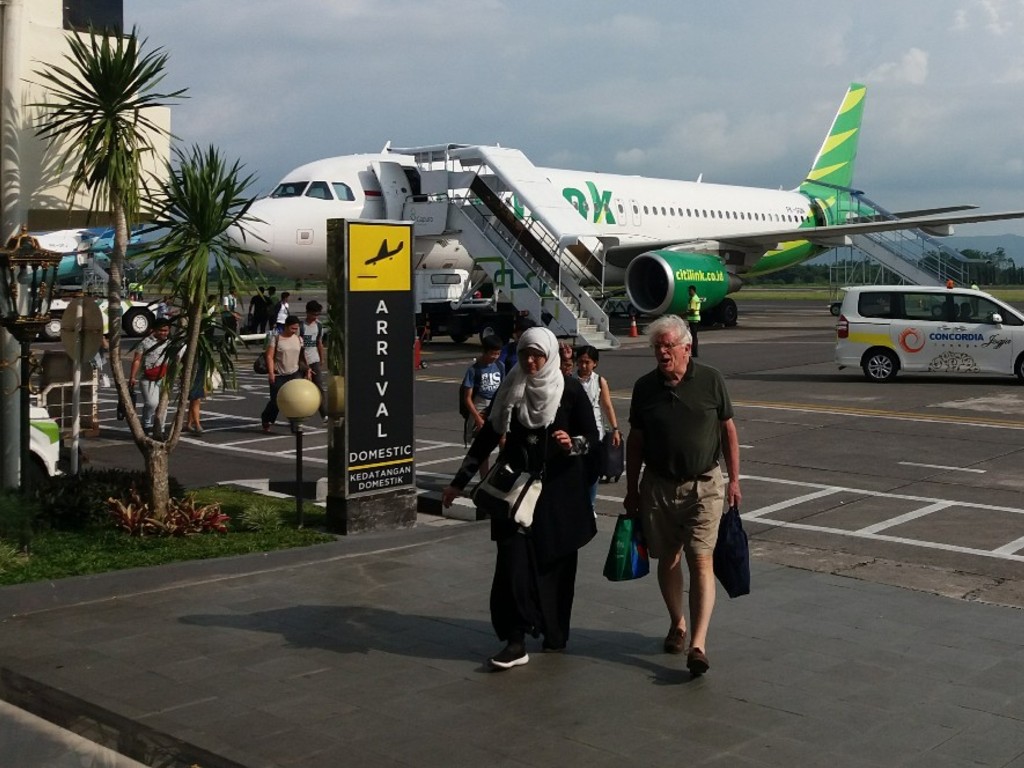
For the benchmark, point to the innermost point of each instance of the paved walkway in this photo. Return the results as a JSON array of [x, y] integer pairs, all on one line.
[[369, 651]]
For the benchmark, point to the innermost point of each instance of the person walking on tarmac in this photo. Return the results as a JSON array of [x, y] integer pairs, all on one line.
[[693, 317]]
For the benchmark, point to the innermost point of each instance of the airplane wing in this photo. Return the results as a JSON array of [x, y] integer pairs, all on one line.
[[932, 211], [829, 237]]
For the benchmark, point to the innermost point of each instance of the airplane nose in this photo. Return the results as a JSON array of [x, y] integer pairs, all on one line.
[[255, 235]]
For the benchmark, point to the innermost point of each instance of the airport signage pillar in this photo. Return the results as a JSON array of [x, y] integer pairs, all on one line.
[[371, 308]]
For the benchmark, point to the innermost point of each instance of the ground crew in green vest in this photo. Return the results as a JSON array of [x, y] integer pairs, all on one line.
[[693, 317]]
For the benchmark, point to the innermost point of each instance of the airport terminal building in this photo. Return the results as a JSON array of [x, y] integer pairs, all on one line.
[[32, 36]]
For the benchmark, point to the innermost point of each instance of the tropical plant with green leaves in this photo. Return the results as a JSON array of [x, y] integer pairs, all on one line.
[[96, 111], [203, 198]]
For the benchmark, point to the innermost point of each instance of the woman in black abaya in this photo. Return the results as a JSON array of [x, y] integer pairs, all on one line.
[[548, 426]]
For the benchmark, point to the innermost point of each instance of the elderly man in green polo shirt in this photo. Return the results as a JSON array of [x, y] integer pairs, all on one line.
[[681, 425]]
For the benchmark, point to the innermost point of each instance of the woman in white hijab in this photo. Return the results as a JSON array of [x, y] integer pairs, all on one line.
[[549, 429]]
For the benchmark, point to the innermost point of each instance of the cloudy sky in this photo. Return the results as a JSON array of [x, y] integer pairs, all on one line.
[[741, 92]]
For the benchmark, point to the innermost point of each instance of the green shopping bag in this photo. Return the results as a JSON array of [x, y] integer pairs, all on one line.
[[627, 554]]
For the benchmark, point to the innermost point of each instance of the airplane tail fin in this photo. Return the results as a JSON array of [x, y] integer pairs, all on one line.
[[833, 166]]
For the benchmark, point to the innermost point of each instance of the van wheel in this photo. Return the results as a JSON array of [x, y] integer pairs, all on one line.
[[880, 365], [137, 322], [51, 331], [1018, 367], [490, 330], [834, 308]]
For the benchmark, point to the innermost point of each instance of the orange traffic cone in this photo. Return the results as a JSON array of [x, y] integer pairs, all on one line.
[[633, 332]]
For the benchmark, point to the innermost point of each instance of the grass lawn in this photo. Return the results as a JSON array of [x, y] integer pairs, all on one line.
[[58, 554]]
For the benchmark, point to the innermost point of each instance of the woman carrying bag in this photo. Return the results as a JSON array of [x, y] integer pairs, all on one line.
[[549, 430]]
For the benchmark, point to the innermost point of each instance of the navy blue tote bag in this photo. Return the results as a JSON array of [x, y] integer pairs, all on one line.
[[732, 556]]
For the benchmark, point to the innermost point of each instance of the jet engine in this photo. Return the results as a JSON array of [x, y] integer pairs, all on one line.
[[657, 283]]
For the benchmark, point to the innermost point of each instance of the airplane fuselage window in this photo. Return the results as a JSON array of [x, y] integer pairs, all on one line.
[[290, 189], [319, 190], [342, 191]]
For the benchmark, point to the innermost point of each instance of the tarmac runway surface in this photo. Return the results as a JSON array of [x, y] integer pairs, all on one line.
[[918, 482]]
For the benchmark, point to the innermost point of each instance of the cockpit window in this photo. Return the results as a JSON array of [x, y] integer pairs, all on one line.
[[343, 191], [319, 189], [290, 189]]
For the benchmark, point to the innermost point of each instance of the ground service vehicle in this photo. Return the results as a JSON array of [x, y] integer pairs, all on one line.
[[137, 317], [888, 328], [44, 446]]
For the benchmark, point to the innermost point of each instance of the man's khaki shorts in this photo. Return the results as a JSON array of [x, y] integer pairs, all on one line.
[[681, 515]]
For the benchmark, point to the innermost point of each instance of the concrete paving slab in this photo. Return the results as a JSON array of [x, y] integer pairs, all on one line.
[[370, 651]]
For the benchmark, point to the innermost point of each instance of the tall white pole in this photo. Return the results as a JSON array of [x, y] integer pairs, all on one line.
[[76, 384], [12, 214]]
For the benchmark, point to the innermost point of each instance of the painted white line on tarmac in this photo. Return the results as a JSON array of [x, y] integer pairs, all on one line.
[[940, 466], [1012, 548], [1005, 552], [458, 459], [906, 518], [789, 502]]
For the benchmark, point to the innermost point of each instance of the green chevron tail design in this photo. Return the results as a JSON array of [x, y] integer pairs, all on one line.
[[835, 160], [834, 163]]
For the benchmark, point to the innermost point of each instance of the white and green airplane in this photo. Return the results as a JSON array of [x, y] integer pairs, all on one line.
[[657, 236]]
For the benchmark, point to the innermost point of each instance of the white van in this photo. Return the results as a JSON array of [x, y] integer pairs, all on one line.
[[884, 329]]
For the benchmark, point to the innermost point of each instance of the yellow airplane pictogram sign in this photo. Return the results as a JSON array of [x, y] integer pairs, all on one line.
[[379, 257]]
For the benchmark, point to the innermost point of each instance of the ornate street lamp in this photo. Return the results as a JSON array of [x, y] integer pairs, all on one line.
[[298, 399], [27, 276]]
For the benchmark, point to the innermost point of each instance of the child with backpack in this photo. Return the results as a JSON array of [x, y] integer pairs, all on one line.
[[481, 381]]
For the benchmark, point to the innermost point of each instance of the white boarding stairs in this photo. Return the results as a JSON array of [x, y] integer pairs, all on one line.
[[903, 253], [912, 254], [538, 261]]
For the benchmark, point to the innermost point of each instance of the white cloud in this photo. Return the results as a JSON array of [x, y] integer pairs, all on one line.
[[631, 161], [911, 68]]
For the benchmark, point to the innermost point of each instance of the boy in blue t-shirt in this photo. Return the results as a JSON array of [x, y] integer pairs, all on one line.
[[481, 381]]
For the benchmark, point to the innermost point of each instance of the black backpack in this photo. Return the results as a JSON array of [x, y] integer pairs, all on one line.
[[463, 410]]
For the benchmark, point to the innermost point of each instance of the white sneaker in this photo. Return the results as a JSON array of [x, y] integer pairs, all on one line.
[[512, 655]]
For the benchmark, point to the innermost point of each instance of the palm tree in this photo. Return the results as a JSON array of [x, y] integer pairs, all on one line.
[[202, 198], [96, 115]]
